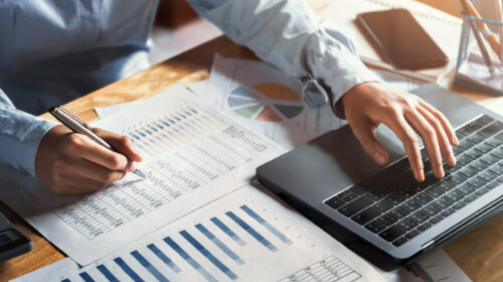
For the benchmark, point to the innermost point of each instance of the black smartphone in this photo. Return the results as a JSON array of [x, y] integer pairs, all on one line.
[[402, 40]]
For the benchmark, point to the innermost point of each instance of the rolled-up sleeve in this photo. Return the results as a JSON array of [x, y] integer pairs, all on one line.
[[20, 135], [288, 34]]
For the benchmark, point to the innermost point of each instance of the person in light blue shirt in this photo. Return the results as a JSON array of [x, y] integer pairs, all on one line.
[[53, 51]]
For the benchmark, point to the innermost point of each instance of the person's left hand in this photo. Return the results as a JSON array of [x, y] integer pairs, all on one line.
[[368, 105]]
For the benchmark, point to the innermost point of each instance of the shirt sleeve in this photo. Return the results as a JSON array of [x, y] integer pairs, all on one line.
[[288, 34], [20, 135]]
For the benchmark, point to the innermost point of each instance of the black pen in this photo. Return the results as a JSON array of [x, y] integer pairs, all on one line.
[[77, 125]]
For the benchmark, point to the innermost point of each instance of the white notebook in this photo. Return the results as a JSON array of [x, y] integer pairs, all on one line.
[[444, 28]]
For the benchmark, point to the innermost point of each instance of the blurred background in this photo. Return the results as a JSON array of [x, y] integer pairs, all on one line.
[[178, 28]]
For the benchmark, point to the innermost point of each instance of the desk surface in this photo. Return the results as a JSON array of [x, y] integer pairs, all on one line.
[[479, 253]]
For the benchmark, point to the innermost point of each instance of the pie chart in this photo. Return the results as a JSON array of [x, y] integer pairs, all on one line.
[[271, 102]]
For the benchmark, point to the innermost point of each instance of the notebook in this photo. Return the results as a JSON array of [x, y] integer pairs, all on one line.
[[445, 30]]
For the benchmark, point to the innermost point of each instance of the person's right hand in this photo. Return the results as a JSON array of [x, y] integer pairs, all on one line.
[[72, 163]]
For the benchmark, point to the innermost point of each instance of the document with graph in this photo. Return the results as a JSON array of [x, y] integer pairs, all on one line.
[[244, 236], [193, 155]]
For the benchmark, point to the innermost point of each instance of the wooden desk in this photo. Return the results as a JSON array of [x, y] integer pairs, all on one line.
[[479, 253]]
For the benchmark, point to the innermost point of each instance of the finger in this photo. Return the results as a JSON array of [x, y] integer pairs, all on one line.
[[87, 169], [443, 120], [82, 146], [404, 132], [364, 132], [120, 143], [429, 136], [445, 146]]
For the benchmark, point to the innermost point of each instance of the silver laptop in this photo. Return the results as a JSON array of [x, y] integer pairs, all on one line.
[[333, 177]]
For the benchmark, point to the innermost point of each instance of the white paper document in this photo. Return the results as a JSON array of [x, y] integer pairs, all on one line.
[[192, 156], [262, 97], [245, 236]]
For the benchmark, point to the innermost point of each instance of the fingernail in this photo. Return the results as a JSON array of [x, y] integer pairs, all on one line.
[[131, 167], [441, 172], [379, 157], [455, 140], [452, 159], [420, 175]]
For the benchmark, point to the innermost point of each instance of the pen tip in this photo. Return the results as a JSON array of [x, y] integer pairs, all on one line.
[[139, 173]]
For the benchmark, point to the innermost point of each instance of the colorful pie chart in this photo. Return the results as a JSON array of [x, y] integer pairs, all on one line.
[[270, 102]]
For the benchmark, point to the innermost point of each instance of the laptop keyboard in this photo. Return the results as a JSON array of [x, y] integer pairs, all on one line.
[[394, 206]]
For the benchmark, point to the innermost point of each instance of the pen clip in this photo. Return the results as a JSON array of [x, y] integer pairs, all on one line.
[[76, 118]]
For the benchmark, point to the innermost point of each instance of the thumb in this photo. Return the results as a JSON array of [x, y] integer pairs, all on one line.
[[365, 133], [122, 144]]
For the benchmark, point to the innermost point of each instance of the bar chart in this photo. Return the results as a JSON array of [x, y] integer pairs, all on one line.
[[187, 244], [244, 236]]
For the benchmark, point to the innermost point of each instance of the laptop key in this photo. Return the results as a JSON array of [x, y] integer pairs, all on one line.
[[412, 234], [375, 226], [498, 153], [466, 189], [471, 198], [455, 195], [435, 191], [500, 179], [399, 212], [366, 215], [387, 220], [425, 226], [489, 159], [335, 203], [491, 129], [395, 199], [484, 148], [493, 185], [475, 138], [446, 184], [477, 182], [383, 206], [482, 191], [444, 202], [423, 198], [392, 233], [474, 154], [411, 205], [469, 171], [459, 205], [488, 175], [400, 242], [500, 136], [494, 142], [447, 212], [407, 224], [436, 219], [432, 210], [419, 217], [479, 165], [458, 178], [355, 206], [463, 160], [498, 169]]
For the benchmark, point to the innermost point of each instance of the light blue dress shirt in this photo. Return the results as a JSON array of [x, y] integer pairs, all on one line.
[[53, 51]]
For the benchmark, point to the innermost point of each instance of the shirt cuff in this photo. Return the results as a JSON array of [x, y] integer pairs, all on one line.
[[20, 147], [333, 60]]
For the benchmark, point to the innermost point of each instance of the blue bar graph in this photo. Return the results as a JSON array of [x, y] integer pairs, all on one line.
[[104, 270], [227, 231], [219, 244], [266, 224], [148, 266], [122, 264], [251, 231], [86, 277], [164, 258], [189, 259], [208, 255]]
